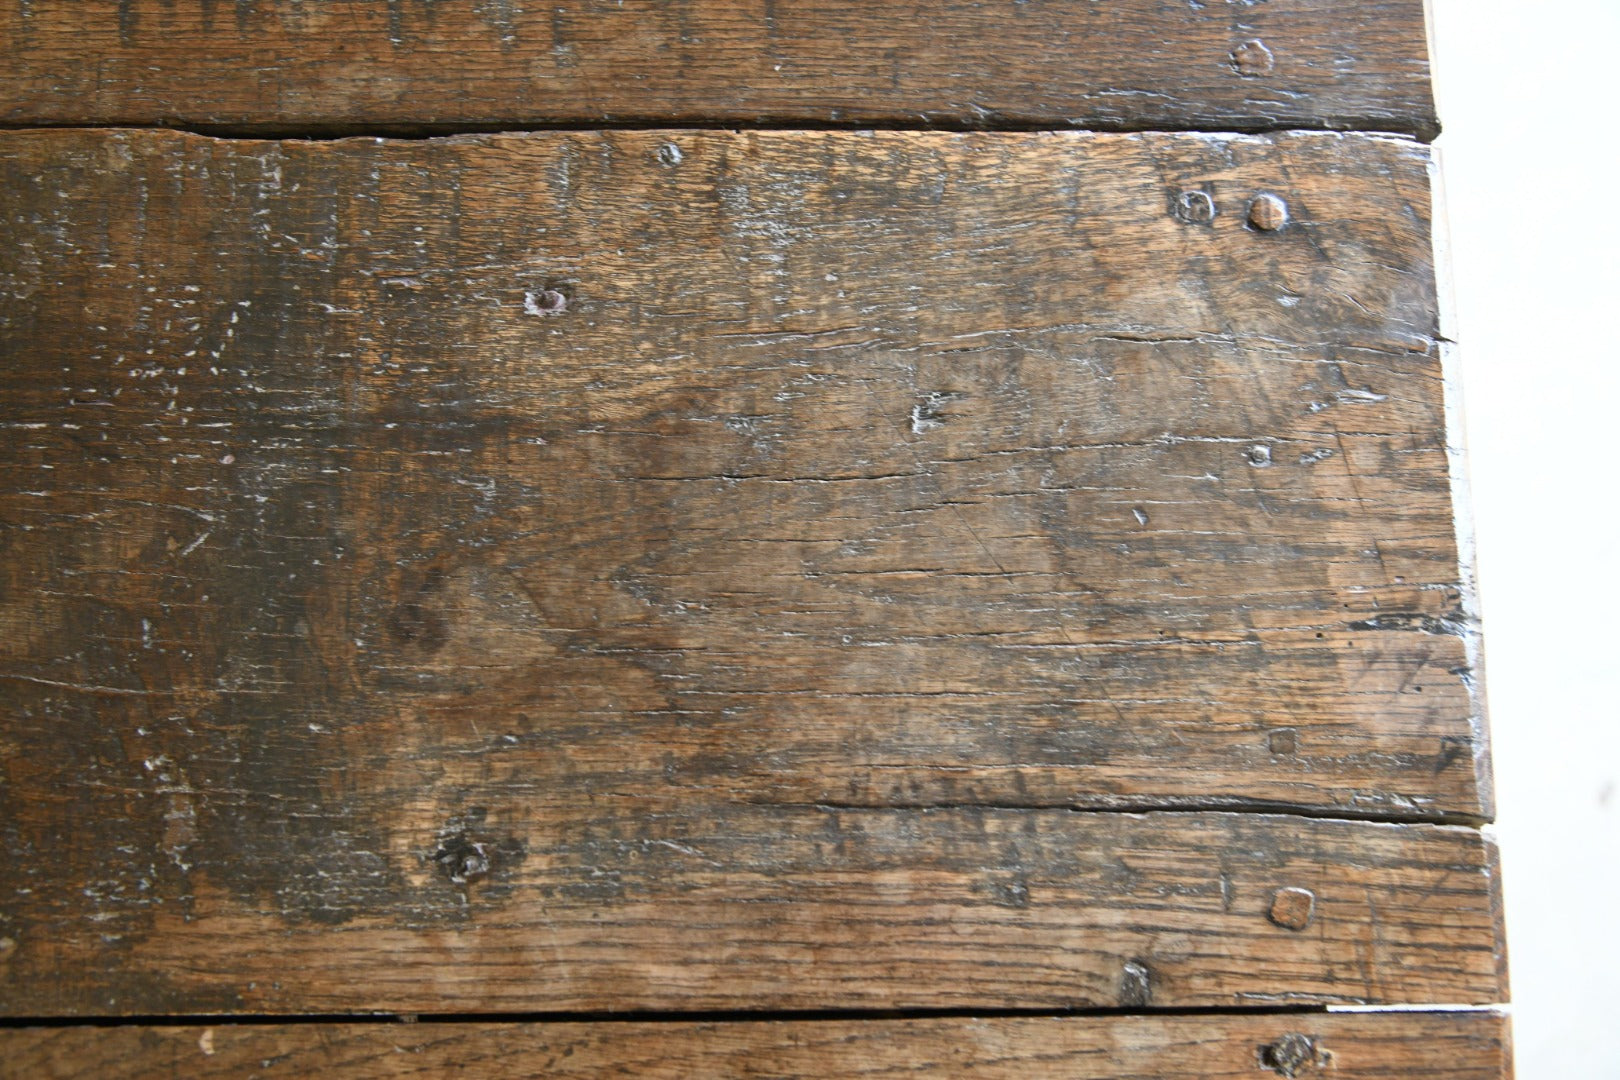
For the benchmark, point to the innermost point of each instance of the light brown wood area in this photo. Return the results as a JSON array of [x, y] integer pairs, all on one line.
[[1426, 1046], [365, 64]]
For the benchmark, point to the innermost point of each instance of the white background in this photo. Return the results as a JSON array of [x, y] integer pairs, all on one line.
[[1529, 97]]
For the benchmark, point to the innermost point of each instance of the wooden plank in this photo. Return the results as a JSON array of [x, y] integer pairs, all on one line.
[[426, 560], [517, 908], [1425, 1046], [370, 64], [881, 469]]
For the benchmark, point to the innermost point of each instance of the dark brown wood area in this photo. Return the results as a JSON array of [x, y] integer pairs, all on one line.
[[1434, 1046], [409, 65]]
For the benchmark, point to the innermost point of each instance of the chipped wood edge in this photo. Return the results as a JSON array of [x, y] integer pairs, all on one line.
[[1462, 502]]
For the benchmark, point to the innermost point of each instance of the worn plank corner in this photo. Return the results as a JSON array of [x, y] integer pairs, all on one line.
[[726, 537]]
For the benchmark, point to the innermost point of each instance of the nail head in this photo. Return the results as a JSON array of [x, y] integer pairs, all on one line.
[[1292, 908], [1289, 1054], [545, 302], [1252, 59], [1193, 207], [1268, 213]]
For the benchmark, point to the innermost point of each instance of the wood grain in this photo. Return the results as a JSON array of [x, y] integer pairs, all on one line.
[[1423, 1046], [416, 551], [380, 64], [515, 908], [894, 469]]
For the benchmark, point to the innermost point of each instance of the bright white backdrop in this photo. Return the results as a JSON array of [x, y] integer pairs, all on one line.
[[1530, 102]]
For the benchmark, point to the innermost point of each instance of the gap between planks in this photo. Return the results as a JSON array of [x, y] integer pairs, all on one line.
[[725, 1016], [428, 132], [1164, 806]]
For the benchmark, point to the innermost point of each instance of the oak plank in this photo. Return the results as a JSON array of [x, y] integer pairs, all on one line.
[[517, 908], [370, 64], [882, 469], [1430, 1046], [414, 551]]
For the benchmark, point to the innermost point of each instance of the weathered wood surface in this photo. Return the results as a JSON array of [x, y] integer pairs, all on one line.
[[532, 509], [361, 64], [1420, 1046], [861, 469], [514, 908]]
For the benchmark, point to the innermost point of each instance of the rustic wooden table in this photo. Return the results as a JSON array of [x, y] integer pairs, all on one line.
[[727, 538]]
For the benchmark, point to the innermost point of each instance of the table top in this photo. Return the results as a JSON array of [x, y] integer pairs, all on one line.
[[833, 534]]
